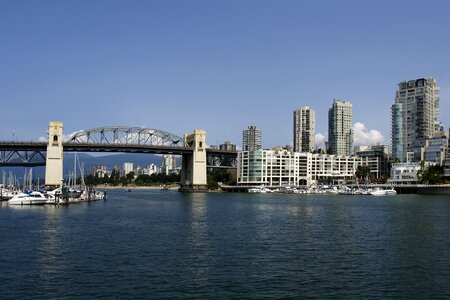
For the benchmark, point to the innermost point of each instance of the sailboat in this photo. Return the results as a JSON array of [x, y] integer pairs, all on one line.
[[78, 193]]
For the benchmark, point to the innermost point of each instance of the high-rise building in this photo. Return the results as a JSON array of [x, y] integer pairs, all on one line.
[[227, 146], [251, 139], [168, 164], [340, 128], [415, 117], [127, 167], [99, 171], [304, 129]]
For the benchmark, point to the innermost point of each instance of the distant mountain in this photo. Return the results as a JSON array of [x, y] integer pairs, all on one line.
[[109, 161]]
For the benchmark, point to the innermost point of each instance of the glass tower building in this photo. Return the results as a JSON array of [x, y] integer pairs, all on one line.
[[415, 118]]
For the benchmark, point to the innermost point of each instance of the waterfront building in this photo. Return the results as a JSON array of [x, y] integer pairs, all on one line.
[[340, 128], [334, 169], [447, 158], [304, 129], [127, 167], [447, 164], [435, 150], [227, 146], [404, 172], [279, 167], [251, 139], [415, 117], [282, 167], [377, 159], [169, 164]]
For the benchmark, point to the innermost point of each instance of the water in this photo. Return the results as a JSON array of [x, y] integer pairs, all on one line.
[[163, 244]]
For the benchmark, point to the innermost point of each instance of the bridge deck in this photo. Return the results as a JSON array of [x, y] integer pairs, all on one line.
[[11, 151]]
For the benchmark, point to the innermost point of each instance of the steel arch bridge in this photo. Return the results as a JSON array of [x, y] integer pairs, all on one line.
[[121, 135], [112, 139]]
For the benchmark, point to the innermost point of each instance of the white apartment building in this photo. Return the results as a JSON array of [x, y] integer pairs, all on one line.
[[281, 167], [404, 172], [332, 168], [304, 129]]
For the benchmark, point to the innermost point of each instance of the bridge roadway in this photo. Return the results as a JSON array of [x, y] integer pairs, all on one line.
[[23, 153]]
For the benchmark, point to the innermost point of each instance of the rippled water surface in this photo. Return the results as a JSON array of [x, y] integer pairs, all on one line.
[[164, 244]]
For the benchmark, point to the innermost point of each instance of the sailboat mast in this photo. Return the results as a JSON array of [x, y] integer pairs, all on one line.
[[24, 183], [30, 179], [75, 171]]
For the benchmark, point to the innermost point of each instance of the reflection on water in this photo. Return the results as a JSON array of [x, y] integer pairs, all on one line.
[[50, 262], [198, 243]]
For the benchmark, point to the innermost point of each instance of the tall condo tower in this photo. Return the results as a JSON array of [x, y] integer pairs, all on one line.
[[251, 139], [415, 117], [304, 129], [340, 128]]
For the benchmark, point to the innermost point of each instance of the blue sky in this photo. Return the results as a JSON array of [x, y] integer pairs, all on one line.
[[214, 65]]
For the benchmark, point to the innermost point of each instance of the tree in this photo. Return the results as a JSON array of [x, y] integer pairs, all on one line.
[[362, 173], [130, 177], [429, 174], [218, 175], [318, 151]]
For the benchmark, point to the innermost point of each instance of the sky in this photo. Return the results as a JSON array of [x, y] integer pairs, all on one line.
[[215, 65]]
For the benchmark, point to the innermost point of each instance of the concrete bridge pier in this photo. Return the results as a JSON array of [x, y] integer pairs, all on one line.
[[55, 154], [193, 166]]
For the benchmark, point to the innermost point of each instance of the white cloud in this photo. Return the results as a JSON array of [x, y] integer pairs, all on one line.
[[42, 139], [320, 140], [365, 137]]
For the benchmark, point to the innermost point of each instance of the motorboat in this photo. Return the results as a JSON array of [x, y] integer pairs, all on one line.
[[33, 198], [343, 190], [6, 194], [331, 190], [254, 190], [261, 190], [378, 192], [391, 191]]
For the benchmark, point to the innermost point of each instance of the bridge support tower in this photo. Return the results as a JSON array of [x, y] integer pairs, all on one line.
[[54, 164], [193, 166]]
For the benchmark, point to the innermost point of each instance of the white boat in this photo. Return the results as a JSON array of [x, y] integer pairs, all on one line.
[[391, 191], [6, 194], [260, 190], [378, 192], [297, 191], [344, 190], [331, 190], [253, 190], [33, 198]]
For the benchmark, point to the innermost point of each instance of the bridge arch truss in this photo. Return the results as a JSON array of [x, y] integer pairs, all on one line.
[[120, 135]]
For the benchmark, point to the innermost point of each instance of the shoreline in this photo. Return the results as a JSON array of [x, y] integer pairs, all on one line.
[[110, 187]]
